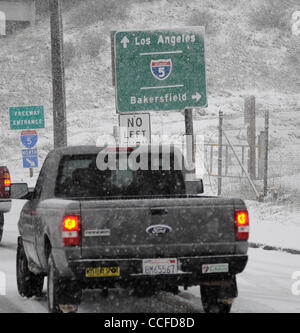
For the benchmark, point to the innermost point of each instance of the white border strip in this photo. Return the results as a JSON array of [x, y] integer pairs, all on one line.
[[163, 87], [166, 52]]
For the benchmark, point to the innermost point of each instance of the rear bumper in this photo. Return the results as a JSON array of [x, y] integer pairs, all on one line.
[[190, 271], [5, 205]]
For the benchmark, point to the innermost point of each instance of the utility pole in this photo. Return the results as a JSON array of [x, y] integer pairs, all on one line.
[[58, 75], [220, 153]]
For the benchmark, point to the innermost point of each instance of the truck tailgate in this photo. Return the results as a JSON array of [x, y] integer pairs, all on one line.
[[198, 226]]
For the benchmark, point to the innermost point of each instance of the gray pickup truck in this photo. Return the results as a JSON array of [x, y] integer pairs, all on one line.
[[144, 229]]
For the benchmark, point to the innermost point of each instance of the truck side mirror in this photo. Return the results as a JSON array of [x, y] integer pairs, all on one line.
[[19, 191]]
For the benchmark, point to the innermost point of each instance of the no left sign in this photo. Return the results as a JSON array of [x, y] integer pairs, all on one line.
[[135, 128]]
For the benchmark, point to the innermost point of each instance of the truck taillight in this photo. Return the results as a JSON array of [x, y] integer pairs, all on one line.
[[7, 180], [5, 183], [71, 230], [242, 224]]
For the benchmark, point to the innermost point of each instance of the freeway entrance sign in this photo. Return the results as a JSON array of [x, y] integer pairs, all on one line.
[[160, 70], [26, 117]]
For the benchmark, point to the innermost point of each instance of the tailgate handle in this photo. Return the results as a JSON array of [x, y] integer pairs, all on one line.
[[159, 211]]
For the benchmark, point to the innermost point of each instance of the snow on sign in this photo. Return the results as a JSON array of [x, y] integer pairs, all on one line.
[[135, 128], [29, 138], [160, 70]]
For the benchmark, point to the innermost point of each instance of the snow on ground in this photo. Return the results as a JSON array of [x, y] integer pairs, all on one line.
[[274, 225], [266, 284]]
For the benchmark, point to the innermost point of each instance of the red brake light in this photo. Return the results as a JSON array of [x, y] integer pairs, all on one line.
[[7, 182], [242, 225], [71, 229]]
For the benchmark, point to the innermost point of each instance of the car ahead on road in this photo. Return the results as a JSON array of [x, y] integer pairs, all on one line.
[[147, 228], [5, 202]]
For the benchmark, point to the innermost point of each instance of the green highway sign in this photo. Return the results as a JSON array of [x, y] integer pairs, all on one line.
[[26, 117], [160, 70]]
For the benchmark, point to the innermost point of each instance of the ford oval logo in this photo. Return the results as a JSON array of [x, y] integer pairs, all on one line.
[[158, 229]]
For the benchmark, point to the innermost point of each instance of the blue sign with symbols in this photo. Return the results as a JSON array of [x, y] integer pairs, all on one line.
[[30, 158], [29, 138]]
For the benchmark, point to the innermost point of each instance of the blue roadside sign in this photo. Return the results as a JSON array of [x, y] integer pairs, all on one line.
[[30, 158], [29, 138]]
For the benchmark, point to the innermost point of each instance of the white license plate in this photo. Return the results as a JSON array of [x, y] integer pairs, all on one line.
[[160, 266]]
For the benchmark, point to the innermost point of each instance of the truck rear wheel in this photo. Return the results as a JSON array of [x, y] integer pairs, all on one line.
[[1, 225], [28, 283], [63, 296]]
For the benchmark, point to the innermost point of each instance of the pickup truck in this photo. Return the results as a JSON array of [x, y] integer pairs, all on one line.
[[148, 229], [5, 202]]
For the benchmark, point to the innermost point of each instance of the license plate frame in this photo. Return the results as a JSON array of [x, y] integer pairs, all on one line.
[[94, 272], [160, 266]]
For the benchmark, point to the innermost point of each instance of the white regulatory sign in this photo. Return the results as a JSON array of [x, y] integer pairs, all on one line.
[[135, 128]]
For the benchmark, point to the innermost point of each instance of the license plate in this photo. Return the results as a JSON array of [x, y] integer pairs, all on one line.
[[160, 266], [102, 271]]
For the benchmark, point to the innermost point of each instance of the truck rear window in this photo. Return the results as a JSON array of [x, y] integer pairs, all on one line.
[[79, 176]]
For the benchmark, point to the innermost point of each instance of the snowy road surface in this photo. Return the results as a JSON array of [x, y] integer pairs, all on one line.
[[265, 285]]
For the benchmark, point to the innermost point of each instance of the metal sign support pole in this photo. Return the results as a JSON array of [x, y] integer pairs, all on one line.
[[220, 153], [189, 132], [266, 157]]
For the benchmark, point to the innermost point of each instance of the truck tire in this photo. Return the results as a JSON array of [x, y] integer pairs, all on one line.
[[62, 294], [1, 225], [28, 283]]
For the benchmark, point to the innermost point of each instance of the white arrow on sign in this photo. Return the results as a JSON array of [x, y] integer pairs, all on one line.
[[32, 164], [197, 96], [125, 41]]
